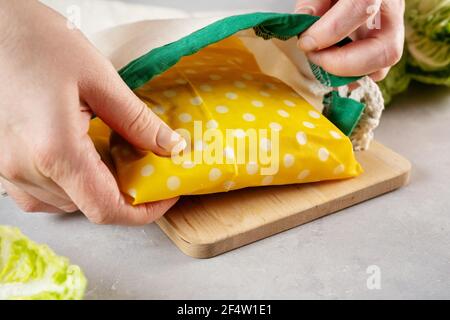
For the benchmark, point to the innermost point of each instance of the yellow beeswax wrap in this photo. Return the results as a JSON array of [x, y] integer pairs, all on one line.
[[240, 112]]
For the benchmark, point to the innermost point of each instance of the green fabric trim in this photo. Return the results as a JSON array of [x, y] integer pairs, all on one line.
[[266, 25], [343, 112], [329, 79]]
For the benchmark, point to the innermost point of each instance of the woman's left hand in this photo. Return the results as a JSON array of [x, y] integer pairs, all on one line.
[[376, 27]]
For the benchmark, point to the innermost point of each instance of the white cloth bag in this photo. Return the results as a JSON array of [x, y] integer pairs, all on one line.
[[125, 43]]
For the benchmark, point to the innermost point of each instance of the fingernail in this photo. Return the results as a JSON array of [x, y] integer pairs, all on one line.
[[305, 10], [168, 139], [307, 43]]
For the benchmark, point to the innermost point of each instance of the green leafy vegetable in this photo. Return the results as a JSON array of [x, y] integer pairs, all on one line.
[[427, 48], [428, 33], [32, 271]]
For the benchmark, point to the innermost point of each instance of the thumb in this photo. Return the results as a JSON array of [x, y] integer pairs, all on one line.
[[113, 102]]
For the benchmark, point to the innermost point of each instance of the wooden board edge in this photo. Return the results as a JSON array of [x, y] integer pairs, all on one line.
[[209, 250]]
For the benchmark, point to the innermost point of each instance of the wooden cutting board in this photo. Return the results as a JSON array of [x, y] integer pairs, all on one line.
[[208, 225]]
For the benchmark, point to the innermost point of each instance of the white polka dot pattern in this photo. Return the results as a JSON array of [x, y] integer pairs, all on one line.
[[147, 170], [301, 138], [173, 183], [323, 154], [222, 109], [215, 174], [249, 117]]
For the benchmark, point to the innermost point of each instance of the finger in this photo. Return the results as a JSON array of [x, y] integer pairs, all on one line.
[[359, 58], [43, 188], [337, 23], [380, 74], [25, 201], [48, 197], [25, 174], [29, 176], [94, 190], [121, 109], [26, 168], [313, 7]]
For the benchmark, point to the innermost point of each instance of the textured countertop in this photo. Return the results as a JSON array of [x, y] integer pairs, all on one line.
[[406, 234]]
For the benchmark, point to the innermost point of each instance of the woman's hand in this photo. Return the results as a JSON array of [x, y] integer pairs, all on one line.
[[378, 40], [51, 82]]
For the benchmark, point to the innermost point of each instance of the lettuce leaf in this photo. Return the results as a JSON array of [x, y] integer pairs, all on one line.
[[34, 272]]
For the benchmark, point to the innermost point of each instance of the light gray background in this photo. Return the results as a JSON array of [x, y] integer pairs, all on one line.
[[405, 233]]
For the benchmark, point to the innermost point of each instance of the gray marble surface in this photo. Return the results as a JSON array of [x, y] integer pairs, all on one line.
[[406, 234]]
